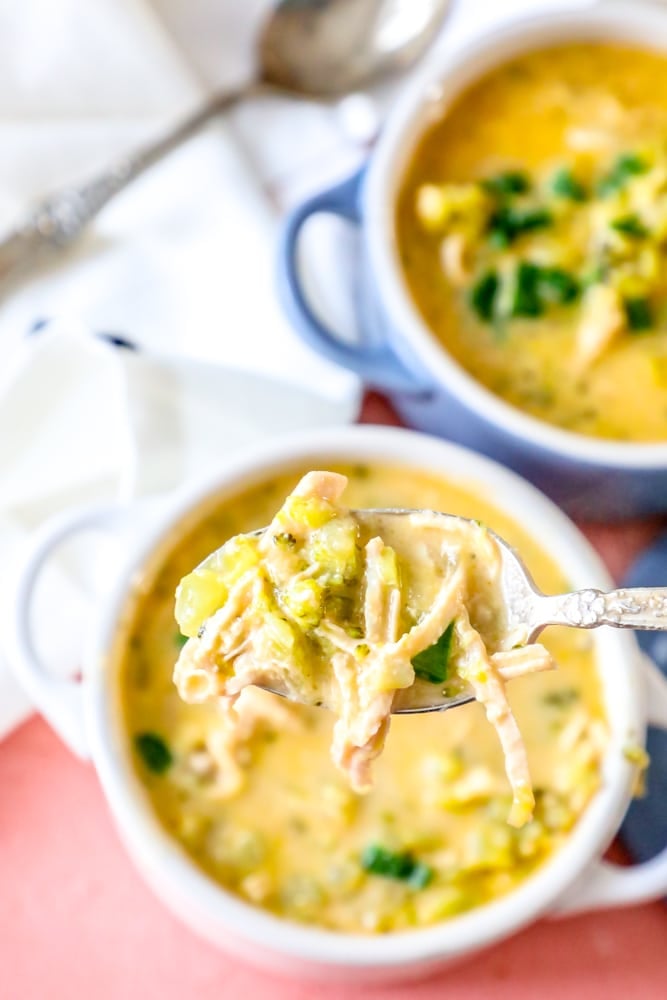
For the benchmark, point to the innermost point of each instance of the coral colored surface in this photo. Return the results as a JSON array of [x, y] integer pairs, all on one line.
[[77, 922]]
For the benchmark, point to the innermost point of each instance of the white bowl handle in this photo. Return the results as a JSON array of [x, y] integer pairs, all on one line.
[[60, 700], [604, 884]]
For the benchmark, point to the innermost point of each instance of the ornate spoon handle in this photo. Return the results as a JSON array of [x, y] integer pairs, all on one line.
[[59, 219], [641, 608]]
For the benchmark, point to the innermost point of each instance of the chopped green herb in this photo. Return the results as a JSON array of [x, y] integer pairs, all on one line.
[[557, 285], [565, 185], [483, 295], [626, 166], [507, 223], [595, 275], [402, 866], [154, 752], [638, 314], [630, 225], [526, 299], [562, 698], [180, 639], [285, 540], [506, 184], [432, 663], [355, 632]]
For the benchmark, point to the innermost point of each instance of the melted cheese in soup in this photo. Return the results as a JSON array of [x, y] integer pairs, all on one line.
[[265, 812], [532, 231]]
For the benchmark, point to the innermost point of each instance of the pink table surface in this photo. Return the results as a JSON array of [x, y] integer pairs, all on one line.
[[77, 921]]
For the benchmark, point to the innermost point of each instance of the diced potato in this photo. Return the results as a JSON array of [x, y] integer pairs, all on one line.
[[304, 600], [306, 512], [302, 896], [334, 548], [489, 847], [431, 206], [439, 205], [198, 596], [235, 558]]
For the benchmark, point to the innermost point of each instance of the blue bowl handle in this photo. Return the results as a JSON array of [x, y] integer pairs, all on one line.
[[376, 364]]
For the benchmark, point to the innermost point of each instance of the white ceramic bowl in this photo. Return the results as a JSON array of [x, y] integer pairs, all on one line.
[[590, 477], [87, 716]]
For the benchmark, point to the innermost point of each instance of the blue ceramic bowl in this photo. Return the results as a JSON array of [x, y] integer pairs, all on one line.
[[398, 355]]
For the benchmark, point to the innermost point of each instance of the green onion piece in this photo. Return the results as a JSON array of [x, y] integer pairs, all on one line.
[[638, 314], [483, 295], [557, 285], [403, 866], [508, 223], [630, 225], [506, 184], [526, 299], [626, 166], [285, 540], [180, 639], [432, 663], [595, 275], [565, 185], [154, 752], [562, 698]]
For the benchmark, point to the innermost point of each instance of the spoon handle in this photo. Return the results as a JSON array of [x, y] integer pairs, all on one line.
[[59, 219], [640, 607]]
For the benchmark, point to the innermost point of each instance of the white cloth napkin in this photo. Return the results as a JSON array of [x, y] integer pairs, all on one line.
[[92, 422], [182, 262]]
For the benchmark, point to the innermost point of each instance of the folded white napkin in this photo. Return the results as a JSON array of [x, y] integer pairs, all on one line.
[[84, 422]]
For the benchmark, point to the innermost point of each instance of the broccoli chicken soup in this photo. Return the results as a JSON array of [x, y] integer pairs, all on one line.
[[258, 803], [532, 231], [360, 612]]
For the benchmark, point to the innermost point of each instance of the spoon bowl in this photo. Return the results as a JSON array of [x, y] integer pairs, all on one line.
[[527, 612], [331, 47]]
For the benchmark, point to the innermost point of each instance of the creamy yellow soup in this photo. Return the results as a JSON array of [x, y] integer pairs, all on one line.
[[532, 227], [280, 826]]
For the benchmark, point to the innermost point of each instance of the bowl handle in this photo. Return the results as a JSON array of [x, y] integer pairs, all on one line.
[[376, 364], [60, 700], [606, 885]]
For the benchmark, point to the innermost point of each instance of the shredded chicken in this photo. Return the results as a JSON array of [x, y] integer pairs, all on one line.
[[602, 324], [275, 629], [454, 253]]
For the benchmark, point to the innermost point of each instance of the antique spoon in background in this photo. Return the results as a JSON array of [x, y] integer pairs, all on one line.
[[310, 48]]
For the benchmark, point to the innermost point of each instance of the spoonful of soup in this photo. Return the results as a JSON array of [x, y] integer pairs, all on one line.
[[374, 612]]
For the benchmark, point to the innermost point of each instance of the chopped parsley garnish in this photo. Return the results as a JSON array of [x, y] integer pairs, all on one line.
[[180, 639], [626, 166], [530, 289], [285, 540], [629, 225], [402, 866], [506, 184], [483, 295], [638, 314], [509, 222], [526, 299], [432, 663], [557, 285], [562, 698], [565, 185], [154, 752]]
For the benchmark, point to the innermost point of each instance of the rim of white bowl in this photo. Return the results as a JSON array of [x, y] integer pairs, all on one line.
[[214, 911], [642, 23]]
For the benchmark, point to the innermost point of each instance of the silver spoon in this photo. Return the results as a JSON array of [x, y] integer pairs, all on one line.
[[311, 48], [529, 611]]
